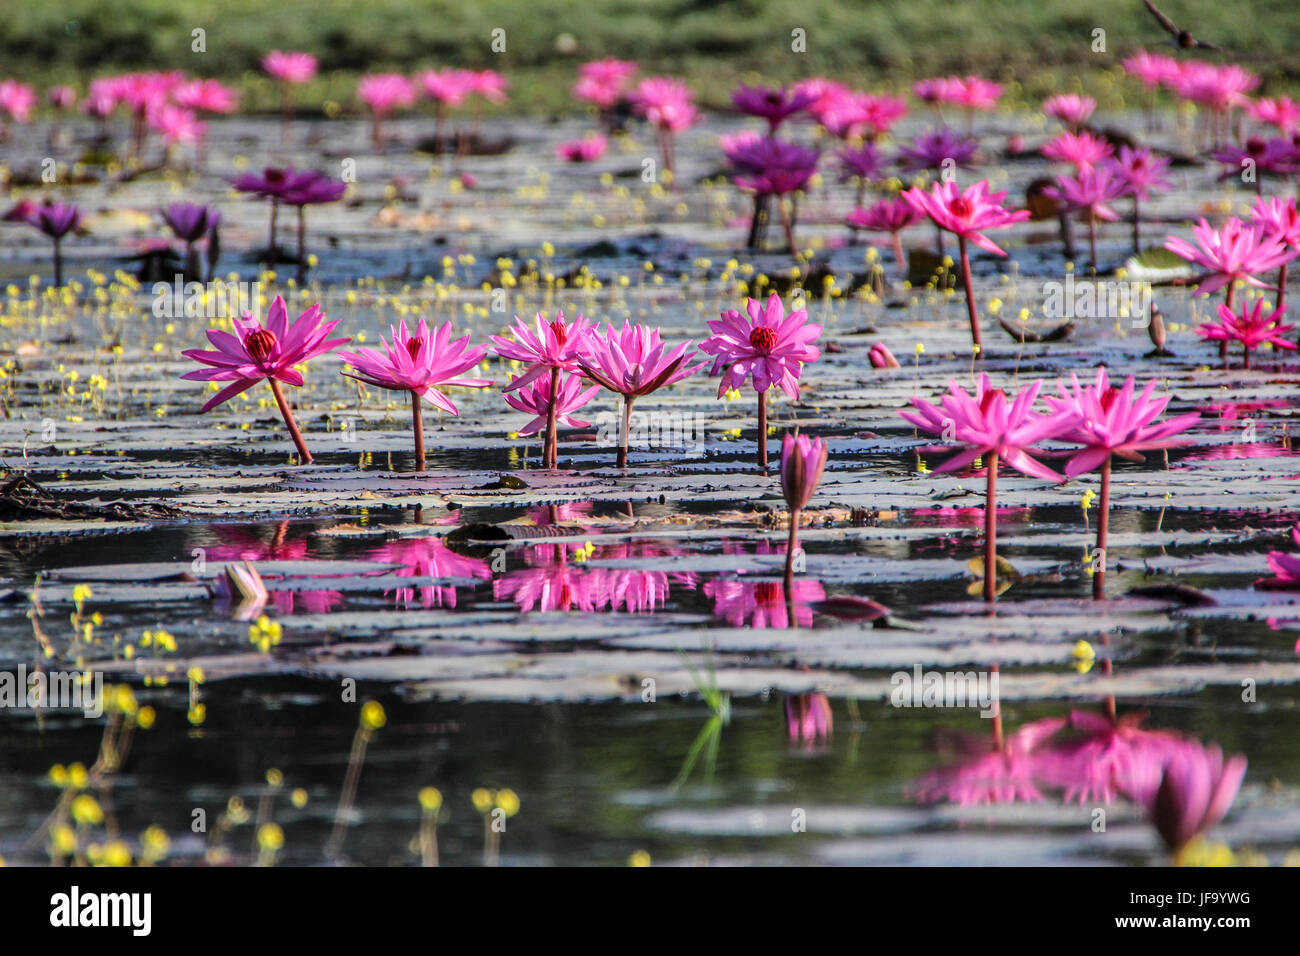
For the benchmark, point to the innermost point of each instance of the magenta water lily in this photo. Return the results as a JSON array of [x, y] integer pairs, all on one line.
[[255, 352], [422, 364], [764, 346]]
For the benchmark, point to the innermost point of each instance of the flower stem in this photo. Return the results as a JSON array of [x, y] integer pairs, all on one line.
[[417, 424], [1281, 286], [991, 531], [1092, 239], [792, 546], [898, 253], [1103, 527], [270, 252], [787, 223], [623, 434], [970, 296], [58, 263], [287, 414], [762, 430], [1227, 300], [302, 245], [1137, 228], [551, 453]]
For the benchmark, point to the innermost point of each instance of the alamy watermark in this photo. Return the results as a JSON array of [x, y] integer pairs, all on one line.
[[945, 689], [1098, 299], [179, 299], [676, 431], [53, 690]]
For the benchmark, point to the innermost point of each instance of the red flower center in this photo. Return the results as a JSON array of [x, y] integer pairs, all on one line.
[[960, 207], [763, 338], [987, 401], [413, 345], [561, 333], [260, 343], [767, 592], [1108, 398], [1255, 146], [274, 176]]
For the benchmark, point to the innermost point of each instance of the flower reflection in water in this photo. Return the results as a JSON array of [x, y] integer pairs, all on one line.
[[993, 774], [762, 604], [809, 721], [247, 544], [558, 579], [429, 558]]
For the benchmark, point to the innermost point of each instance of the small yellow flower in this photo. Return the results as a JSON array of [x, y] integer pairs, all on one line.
[[64, 840], [145, 718], [116, 853], [639, 858], [298, 798], [430, 799], [372, 715], [87, 811], [508, 802], [1084, 656], [483, 799], [270, 837], [154, 844]]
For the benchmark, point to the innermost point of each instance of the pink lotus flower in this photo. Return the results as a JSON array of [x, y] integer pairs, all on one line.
[[209, 96], [1113, 421], [666, 105], [1090, 191], [880, 356], [429, 558], [289, 67], [383, 93], [1150, 69], [420, 364], [1250, 327], [1196, 792], [553, 348], [1285, 568], [633, 362], [976, 93], [803, 460], [968, 214], [61, 97], [1281, 221], [586, 150], [488, 84], [17, 99], [766, 345], [535, 399], [1140, 172], [1282, 112], [177, 126], [997, 430], [603, 82], [936, 90], [891, 216], [1080, 149], [1110, 421], [1232, 254], [1070, 108], [256, 352], [771, 104], [448, 87]]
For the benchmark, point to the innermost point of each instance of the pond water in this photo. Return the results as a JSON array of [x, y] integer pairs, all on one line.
[[618, 648]]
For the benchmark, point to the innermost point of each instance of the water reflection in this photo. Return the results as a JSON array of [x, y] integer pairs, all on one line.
[[429, 558]]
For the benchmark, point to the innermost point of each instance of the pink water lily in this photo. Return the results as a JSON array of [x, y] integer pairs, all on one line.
[[1140, 171], [1285, 568], [383, 93], [255, 352], [996, 429], [1251, 327], [1107, 422], [887, 215], [548, 348], [1196, 791], [633, 362], [1235, 253], [536, 400], [803, 460], [1070, 108], [420, 364], [1079, 149], [1090, 190], [969, 214], [764, 346]]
